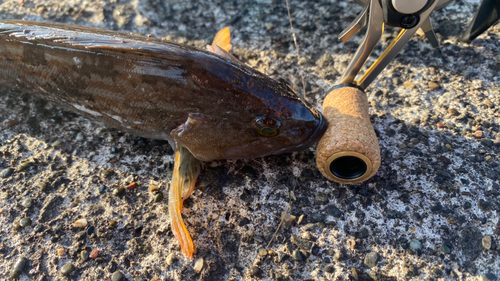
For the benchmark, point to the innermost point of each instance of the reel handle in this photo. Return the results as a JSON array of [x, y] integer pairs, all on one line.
[[348, 152]]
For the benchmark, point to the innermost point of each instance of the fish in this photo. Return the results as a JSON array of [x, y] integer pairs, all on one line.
[[206, 103]]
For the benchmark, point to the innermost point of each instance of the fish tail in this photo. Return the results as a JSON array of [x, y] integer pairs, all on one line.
[[223, 39], [186, 171]]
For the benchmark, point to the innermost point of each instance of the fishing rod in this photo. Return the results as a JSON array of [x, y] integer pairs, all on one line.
[[349, 151]]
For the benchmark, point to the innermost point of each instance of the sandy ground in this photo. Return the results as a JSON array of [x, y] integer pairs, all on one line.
[[431, 212]]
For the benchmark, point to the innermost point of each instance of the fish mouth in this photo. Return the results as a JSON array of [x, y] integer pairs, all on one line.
[[320, 130], [321, 125]]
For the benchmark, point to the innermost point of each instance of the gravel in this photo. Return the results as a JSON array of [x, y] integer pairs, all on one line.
[[436, 114]]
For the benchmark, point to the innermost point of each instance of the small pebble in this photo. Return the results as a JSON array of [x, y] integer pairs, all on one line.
[[488, 103], [113, 223], [79, 136], [170, 259], [371, 259], [255, 271], [24, 165], [18, 267], [301, 218], [119, 191], [25, 222], [453, 111], [321, 198], [297, 255], [433, 85], [81, 223], [61, 252], [94, 254], [56, 143], [198, 265], [131, 186], [478, 134], [102, 188], [440, 125], [117, 276], [489, 277], [153, 188], [38, 228], [90, 230], [84, 255], [159, 197], [262, 252], [445, 249], [486, 142], [486, 241], [27, 203], [437, 272], [329, 268], [301, 243], [6, 172], [408, 84], [415, 245], [67, 269]]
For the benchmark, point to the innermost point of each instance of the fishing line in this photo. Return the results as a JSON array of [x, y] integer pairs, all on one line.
[[298, 53]]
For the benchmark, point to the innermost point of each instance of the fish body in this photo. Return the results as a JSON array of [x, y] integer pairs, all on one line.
[[207, 104], [211, 104]]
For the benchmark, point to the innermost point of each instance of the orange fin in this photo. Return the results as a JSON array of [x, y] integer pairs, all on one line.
[[186, 171], [223, 39]]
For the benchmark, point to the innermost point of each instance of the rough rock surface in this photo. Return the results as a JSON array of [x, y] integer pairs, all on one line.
[[425, 213]]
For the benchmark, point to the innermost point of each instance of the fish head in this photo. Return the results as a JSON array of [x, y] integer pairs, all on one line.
[[250, 126]]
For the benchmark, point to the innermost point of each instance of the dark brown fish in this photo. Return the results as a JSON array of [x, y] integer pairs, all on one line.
[[213, 105], [207, 104]]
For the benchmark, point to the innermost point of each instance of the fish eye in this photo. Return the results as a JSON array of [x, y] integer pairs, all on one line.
[[267, 127]]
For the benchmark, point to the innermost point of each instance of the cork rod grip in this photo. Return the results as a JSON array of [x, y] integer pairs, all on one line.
[[349, 151]]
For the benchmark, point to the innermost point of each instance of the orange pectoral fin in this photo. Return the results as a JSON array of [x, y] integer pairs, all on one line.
[[186, 171], [223, 39]]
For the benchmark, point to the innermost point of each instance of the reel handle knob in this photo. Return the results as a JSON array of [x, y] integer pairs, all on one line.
[[348, 152]]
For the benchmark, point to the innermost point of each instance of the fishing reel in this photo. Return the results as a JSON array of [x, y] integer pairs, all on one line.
[[349, 152]]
